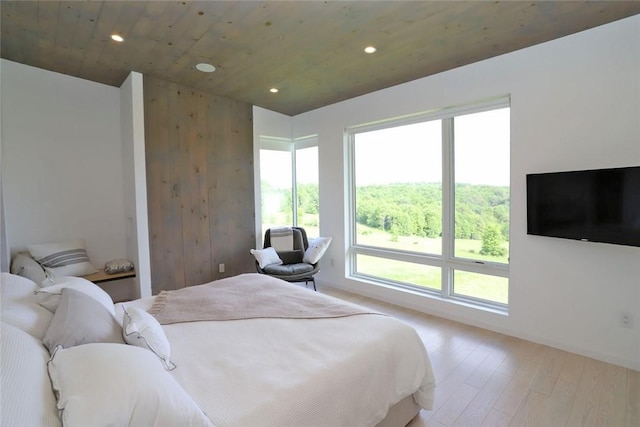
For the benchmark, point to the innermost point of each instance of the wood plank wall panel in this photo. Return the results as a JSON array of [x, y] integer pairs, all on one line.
[[162, 142], [199, 154], [230, 169]]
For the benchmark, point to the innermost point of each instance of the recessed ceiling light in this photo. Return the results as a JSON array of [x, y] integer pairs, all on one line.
[[273, 90], [205, 68], [370, 49], [117, 37]]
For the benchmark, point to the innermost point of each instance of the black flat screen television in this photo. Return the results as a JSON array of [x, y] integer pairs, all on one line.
[[600, 205]]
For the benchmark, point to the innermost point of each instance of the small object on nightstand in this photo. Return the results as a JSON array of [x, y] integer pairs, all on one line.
[[118, 266]]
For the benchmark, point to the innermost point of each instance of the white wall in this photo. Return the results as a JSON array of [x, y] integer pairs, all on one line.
[[575, 105], [62, 161], [74, 166], [135, 181]]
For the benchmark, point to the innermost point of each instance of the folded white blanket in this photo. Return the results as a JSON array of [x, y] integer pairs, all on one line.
[[282, 238]]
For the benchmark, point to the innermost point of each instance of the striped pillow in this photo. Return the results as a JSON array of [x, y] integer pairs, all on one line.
[[63, 259]]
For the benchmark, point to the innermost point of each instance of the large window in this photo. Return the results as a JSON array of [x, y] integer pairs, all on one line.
[[289, 183], [275, 187], [430, 203]]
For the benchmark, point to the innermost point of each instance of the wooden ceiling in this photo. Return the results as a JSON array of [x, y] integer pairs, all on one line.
[[312, 51]]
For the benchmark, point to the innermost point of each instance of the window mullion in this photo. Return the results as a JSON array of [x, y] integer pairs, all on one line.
[[447, 205], [294, 186]]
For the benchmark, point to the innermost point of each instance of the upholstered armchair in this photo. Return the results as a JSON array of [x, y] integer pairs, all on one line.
[[286, 255]]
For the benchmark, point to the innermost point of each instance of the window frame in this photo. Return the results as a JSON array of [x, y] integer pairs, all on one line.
[[447, 262], [291, 146]]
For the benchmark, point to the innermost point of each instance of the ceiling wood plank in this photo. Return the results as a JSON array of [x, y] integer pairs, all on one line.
[[28, 18], [154, 36], [68, 17], [11, 44], [115, 59], [46, 33]]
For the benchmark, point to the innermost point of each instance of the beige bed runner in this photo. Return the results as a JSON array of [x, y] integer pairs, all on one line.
[[248, 296]]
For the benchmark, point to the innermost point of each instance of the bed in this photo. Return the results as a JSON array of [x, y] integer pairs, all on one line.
[[292, 365]]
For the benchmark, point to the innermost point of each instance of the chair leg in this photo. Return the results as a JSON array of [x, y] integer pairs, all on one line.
[[313, 280]]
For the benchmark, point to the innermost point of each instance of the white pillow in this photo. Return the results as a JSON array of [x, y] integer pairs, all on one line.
[[19, 306], [23, 265], [80, 319], [49, 297], [27, 398], [27, 316], [266, 256], [120, 385], [63, 259], [317, 248], [141, 329], [15, 287]]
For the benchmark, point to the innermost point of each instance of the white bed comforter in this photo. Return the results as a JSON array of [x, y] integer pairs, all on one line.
[[299, 372]]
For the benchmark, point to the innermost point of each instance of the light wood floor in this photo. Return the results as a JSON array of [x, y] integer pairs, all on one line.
[[488, 379]]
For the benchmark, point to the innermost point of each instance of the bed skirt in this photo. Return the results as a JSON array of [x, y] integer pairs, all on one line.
[[401, 413]]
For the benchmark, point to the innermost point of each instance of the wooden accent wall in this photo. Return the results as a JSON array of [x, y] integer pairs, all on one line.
[[199, 158]]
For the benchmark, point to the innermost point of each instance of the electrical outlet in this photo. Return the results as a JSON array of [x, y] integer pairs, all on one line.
[[626, 319], [220, 268]]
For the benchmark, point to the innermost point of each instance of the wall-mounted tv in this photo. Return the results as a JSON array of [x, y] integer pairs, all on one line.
[[600, 205]]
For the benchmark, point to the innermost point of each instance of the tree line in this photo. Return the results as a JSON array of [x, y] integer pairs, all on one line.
[[415, 209]]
